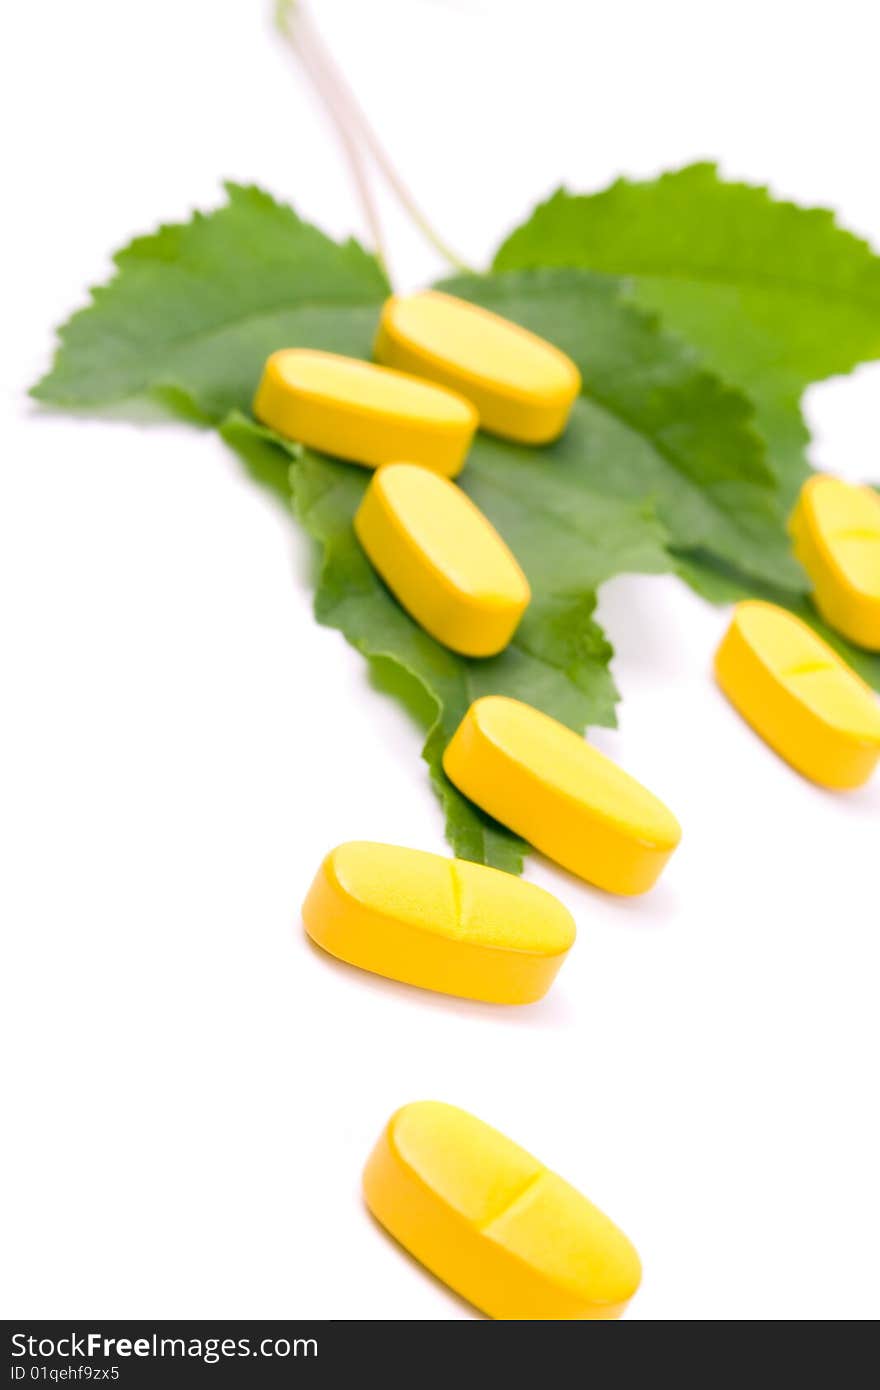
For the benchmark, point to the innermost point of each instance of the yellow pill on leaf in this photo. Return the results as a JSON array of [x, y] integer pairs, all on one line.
[[364, 413], [443, 559], [443, 924], [493, 1223], [522, 386], [836, 531], [567, 799], [799, 695]]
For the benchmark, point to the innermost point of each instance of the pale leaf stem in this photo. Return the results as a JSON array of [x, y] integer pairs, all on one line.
[[296, 25], [298, 38]]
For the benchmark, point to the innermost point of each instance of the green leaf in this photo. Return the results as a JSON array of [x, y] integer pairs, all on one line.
[[196, 308], [575, 513], [774, 296], [658, 456], [651, 423]]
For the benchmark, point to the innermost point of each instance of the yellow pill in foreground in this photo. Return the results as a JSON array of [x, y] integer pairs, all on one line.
[[836, 530], [493, 1223], [567, 799], [522, 386], [364, 413], [443, 559], [799, 695], [443, 924]]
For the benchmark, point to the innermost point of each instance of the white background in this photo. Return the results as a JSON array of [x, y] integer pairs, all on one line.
[[193, 1088]]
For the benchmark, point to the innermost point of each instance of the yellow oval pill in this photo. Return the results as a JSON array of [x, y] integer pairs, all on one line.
[[836, 530], [567, 799], [522, 386], [493, 1223], [443, 924], [799, 695], [443, 559], [363, 413]]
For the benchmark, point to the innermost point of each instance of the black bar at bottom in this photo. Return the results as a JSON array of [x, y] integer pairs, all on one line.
[[146, 1353]]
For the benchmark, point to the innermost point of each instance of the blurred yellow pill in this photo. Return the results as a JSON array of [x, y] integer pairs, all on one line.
[[836, 531], [363, 413], [522, 386], [493, 1223], [442, 924], [443, 559], [567, 799], [799, 695]]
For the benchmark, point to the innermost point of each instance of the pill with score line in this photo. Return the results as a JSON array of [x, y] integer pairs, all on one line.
[[442, 558], [546, 783], [836, 531], [363, 413], [799, 695], [493, 1223], [522, 386], [442, 924]]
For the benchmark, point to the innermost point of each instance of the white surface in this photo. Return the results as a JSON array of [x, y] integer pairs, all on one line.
[[194, 1089]]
